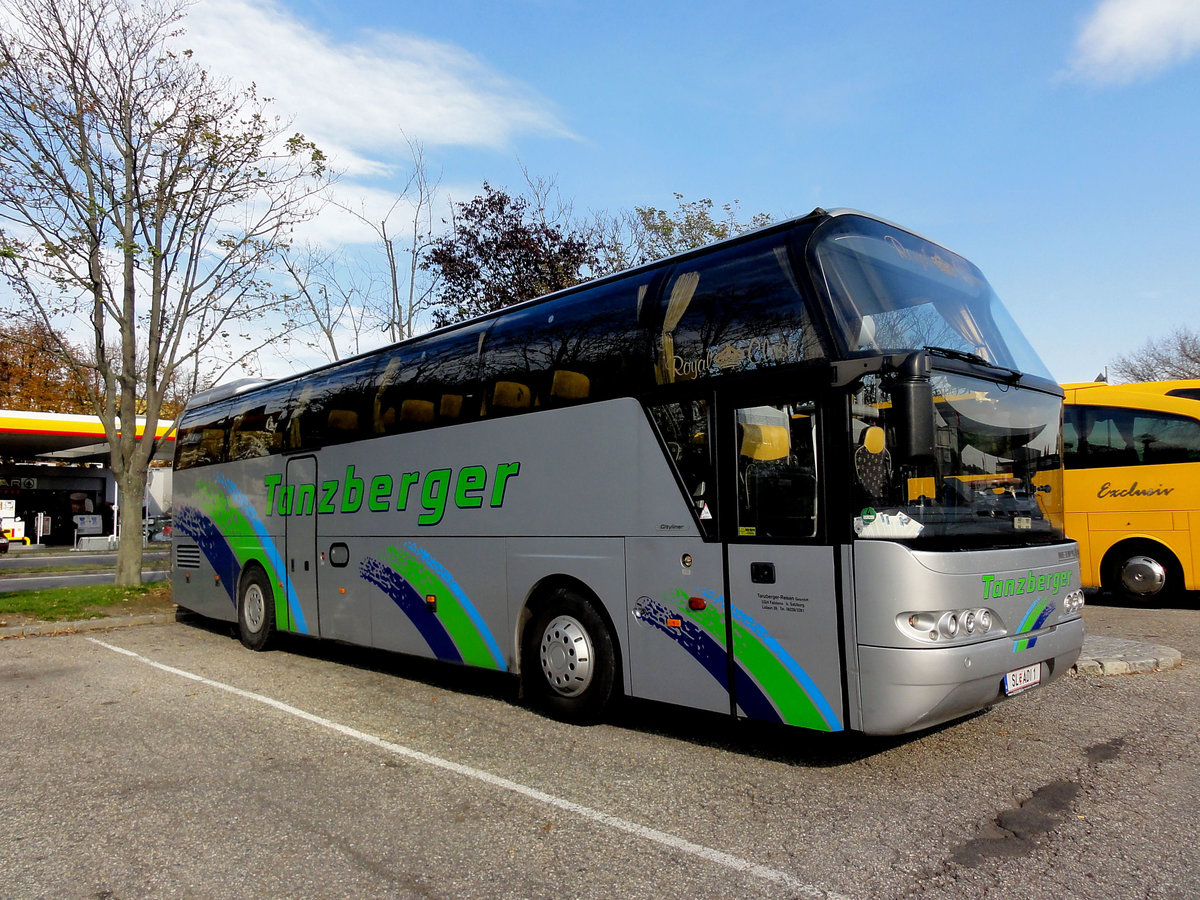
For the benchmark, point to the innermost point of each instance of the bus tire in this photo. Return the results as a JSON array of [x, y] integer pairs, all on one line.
[[256, 610], [569, 662], [1142, 572]]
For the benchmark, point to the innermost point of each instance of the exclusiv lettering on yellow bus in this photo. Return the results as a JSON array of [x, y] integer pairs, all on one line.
[[468, 488]]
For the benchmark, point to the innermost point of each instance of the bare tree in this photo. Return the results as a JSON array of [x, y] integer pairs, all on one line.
[[336, 297], [407, 296], [1175, 356], [144, 197]]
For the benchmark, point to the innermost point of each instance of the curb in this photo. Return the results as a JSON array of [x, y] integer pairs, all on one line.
[[45, 629], [1117, 656]]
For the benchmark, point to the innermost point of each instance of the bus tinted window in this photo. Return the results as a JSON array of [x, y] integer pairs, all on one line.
[[258, 423], [335, 406], [587, 346], [432, 382], [204, 438], [738, 309], [684, 428], [1108, 436]]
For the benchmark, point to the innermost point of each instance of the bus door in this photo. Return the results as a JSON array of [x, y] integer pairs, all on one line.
[[782, 604], [678, 640], [300, 543]]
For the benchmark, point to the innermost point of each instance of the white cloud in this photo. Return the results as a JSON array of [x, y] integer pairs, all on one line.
[[360, 100], [1123, 40]]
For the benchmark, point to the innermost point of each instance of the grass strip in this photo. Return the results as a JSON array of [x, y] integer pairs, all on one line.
[[69, 604]]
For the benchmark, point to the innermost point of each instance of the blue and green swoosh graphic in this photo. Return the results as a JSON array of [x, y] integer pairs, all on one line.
[[769, 683], [1035, 617], [454, 630], [230, 533]]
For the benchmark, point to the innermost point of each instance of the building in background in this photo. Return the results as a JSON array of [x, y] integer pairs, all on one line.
[[55, 485]]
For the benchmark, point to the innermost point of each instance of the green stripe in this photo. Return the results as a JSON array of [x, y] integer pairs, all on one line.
[[245, 546], [456, 620], [790, 699], [794, 705]]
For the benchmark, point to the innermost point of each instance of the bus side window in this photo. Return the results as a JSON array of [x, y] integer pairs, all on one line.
[[684, 429]]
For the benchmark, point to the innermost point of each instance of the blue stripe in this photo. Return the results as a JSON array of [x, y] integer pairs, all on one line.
[[268, 546], [806, 683], [412, 605], [480, 625]]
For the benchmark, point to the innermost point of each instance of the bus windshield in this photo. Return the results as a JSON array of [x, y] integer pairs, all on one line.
[[995, 475], [890, 289]]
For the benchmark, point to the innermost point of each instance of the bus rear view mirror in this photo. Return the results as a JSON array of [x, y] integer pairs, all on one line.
[[912, 398]]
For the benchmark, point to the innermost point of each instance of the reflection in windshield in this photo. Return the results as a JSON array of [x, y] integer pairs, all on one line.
[[893, 290], [995, 468]]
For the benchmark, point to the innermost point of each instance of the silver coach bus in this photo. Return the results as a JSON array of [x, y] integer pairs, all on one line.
[[810, 475]]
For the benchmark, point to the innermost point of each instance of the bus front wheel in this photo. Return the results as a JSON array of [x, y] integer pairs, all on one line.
[[569, 662], [256, 610]]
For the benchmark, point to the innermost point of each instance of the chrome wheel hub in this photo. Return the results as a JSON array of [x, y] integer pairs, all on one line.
[[1143, 576], [566, 656], [254, 608]]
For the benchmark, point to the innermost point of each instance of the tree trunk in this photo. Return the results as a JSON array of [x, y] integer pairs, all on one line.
[[132, 492]]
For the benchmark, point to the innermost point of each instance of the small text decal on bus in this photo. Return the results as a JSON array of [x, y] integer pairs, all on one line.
[[470, 488]]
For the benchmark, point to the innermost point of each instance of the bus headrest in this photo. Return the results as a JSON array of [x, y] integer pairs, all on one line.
[[343, 420], [568, 385], [412, 410], [511, 395], [765, 442], [873, 439], [451, 406]]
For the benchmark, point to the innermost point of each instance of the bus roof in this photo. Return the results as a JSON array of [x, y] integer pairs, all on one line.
[[1177, 389]]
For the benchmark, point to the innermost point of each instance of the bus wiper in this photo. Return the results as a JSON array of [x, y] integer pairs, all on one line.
[[973, 358]]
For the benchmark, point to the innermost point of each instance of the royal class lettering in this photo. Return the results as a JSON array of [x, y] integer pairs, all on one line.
[[1107, 490], [471, 487], [772, 350], [995, 587]]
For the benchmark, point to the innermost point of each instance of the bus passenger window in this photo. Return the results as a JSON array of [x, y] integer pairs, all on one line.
[[777, 471]]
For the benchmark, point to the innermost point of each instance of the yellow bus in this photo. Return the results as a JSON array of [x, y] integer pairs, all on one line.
[[1131, 485]]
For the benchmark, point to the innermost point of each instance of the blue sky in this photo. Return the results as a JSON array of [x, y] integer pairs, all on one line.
[[1057, 145]]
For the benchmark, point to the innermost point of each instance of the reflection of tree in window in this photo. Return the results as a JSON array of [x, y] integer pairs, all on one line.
[[738, 309], [588, 346]]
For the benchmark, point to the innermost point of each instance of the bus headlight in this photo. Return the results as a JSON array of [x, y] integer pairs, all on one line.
[[1074, 601], [948, 624], [931, 626]]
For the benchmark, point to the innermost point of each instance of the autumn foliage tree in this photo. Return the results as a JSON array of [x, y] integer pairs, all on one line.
[[143, 201], [657, 233], [36, 371], [500, 251]]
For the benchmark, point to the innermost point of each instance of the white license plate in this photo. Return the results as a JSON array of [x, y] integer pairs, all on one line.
[[1022, 679]]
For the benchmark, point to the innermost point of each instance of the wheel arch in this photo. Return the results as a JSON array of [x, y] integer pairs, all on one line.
[[543, 592], [1134, 545]]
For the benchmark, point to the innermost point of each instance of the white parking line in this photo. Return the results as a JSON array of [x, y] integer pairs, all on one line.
[[717, 857]]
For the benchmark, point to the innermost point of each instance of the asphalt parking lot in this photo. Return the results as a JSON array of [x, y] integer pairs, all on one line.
[[168, 761]]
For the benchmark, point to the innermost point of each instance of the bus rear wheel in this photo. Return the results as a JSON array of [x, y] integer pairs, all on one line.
[[1143, 573], [568, 661], [256, 610]]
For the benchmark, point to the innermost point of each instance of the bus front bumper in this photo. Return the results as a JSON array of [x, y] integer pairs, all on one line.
[[905, 690]]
